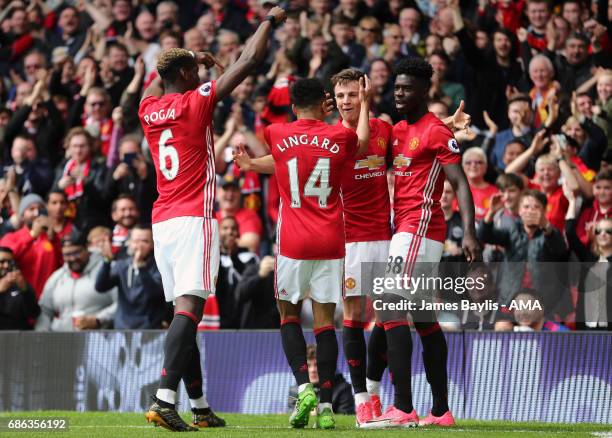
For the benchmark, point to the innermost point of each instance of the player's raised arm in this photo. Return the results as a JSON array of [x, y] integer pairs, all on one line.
[[454, 174], [263, 164], [363, 125], [252, 55]]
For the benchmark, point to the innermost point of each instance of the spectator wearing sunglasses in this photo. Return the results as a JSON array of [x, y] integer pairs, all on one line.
[[594, 306]]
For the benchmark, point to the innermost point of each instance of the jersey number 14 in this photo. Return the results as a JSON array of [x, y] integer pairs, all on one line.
[[319, 174]]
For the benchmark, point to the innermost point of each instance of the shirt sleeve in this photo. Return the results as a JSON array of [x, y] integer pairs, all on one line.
[[201, 102], [446, 147]]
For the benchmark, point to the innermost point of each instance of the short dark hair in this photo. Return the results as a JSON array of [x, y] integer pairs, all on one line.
[[341, 19], [346, 75], [537, 195], [578, 36], [122, 197], [416, 67], [442, 55], [604, 175], [306, 93], [516, 141], [519, 97], [118, 46], [57, 192], [506, 180], [584, 94], [25, 136], [7, 250]]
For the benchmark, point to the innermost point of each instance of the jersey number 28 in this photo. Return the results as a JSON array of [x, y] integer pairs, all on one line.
[[168, 152], [320, 173]]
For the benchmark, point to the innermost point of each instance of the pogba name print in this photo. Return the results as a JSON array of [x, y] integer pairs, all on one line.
[[159, 116]]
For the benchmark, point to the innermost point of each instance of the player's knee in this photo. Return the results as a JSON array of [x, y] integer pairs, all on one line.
[[323, 314], [354, 309], [287, 309], [191, 304]]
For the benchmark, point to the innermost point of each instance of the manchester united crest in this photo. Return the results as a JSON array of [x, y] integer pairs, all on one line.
[[350, 283], [414, 143], [382, 143]]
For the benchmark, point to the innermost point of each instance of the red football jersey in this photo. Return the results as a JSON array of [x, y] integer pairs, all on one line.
[[178, 128], [309, 160], [419, 152], [367, 209]]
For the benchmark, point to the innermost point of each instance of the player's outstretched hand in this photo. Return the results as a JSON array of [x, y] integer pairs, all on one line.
[[365, 89], [471, 249], [279, 14], [241, 158], [208, 60], [461, 120]]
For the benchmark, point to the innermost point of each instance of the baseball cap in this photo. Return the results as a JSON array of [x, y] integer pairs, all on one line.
[[75, 238], [229, 180]]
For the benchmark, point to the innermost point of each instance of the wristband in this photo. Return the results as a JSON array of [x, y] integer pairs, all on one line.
[[271, 19], [192, 53]]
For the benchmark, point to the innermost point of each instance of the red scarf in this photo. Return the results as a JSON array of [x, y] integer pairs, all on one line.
[[75, 190]]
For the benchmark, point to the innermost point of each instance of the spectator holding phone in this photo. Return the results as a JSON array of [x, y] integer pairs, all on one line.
[[18, 306], [133, 175], [33, 251]]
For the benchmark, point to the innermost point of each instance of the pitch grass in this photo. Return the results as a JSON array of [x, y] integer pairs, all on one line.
[[110, 424]]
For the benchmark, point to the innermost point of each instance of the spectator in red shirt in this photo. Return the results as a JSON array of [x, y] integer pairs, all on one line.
[[600, 208], [249, 223], [34, 252], [546, 180], [474, 164]]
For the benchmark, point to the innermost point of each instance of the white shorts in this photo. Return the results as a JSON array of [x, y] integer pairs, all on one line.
[[187, 255], [413, 256], [363, 261], [321, 280]]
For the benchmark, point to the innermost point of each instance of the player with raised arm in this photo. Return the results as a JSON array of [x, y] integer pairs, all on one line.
[[423, 150], [308, 157], [176, 115], [367, 218]]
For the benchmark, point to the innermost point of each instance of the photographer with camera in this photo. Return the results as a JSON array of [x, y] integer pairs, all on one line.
[[18, 306], [31, 246]]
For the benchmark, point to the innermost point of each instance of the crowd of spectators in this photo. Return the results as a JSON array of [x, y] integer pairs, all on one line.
[[78, 183]]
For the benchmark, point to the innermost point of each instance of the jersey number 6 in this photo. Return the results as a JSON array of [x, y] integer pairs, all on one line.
[[165, 152]]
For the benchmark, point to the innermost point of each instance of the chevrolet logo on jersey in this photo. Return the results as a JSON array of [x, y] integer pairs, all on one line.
[[401, 161], [371, 162]]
